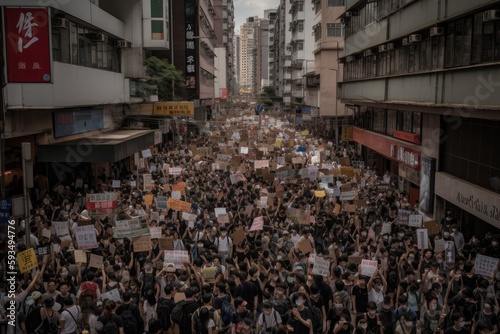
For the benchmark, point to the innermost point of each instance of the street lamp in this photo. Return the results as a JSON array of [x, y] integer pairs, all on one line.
[[336, 106]]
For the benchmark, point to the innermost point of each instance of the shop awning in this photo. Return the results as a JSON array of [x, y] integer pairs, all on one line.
[[111, 146]]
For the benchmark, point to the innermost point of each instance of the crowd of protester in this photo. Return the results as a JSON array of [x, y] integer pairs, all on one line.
[[265, 282]]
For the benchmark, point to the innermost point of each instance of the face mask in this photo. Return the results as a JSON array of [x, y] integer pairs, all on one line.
[[494, 243], [409, 323], [290, 279], [433, 306], [461, 267], [446, 234], [454, 230], [439, 261], [267, 312], [461, 324], [339, 306], [224, 233], [364, 326], [299, 302], [487, 305]]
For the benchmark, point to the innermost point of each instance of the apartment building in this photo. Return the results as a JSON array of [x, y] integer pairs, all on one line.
[[421, 77], [248, 60], [224, 48]]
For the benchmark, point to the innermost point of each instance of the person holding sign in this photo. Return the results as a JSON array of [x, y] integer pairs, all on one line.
[[377, 285]]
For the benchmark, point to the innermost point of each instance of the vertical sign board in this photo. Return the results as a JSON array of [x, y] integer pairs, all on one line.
[[427, 179], [190, 27], [27, 44]]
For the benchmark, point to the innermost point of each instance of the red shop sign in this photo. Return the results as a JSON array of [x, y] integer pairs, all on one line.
[[27, 44], [408, 136]]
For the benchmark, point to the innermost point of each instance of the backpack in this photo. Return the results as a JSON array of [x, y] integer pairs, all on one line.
[[33, 319], [129, 321], [88, 294], [226, 311], [198, 326], [163, 310], [179, 316], [109, 326], [316, 319], [265, 329]]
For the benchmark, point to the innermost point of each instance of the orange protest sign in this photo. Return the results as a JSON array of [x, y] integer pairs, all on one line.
[[181, 186], [148, 199], [178, 205]]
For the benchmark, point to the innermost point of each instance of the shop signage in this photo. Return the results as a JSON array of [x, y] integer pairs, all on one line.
[[427, 178], [173, 109], [482, 203], [408, 136], [409, 157], [409, 174], [190, 19]]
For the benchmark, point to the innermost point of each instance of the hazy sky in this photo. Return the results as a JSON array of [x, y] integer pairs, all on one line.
[[247, 8]]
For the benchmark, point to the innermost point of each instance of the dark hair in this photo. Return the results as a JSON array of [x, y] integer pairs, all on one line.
[[207, 298], [168, 289], [204, 316], [108, 309], [126, 296]]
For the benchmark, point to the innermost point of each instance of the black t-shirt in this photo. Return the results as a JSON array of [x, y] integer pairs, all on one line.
[[298, 326], [247, 291], [452, 330], [239, 317], [361, 295], [485, 321]]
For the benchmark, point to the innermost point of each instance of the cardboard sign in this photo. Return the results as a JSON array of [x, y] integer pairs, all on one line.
[[344, 161], [176, 195], [142, 243], [404, 217], [258, 164], [415, 220], [319, 193], [80, 256], [432, 227], [449, 252], [237, 177], [85, 237], [189, 216], [485, 265], [130, 228], [368, 267], [95, 261], [386, 228], [181, 187], [220, 211], [27, 260], [178, 205], [298, 216], [155, 232], [258, 224], [321, 267], [166, 243], [422, 238], [350, 208], [356, 259], [305, 246], [243, 150], [43, 250], [209, 274], [179, 296], [439, 245], [223, 219], [336, 209], [176, 257], [239, 235], [46, 233], [61, 228], [113, 294], [347, 195]]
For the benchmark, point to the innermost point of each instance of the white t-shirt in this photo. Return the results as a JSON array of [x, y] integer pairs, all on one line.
[[269, 321], [70, 325]]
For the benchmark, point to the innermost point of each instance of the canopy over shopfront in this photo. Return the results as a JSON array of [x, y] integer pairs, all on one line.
[[111, 147]]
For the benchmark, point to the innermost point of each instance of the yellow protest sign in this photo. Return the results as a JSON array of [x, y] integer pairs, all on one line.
[[305, 132], [178, 205], [27, 260], [148, 199], [277, 143], [319, 193]]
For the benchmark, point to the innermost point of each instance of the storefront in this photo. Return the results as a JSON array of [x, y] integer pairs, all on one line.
[[401, 159]]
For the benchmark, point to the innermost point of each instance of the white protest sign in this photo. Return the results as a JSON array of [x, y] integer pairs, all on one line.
[[347, 195], [415, 220], [439, 245], [422, 238], [386, 228], [188, 216], [243, 150], [176, 257], [146, 181], [113, 294], [161, 202], [61, 228], [258, 224], [146, 153], [85, 237], [219, 211], [175, 171], [155, 232], [485, 265], [368, 267], [176, 194], [321, 267], [116, 184]]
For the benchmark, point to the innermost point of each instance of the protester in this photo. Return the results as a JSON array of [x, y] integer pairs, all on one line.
[[243, 231]]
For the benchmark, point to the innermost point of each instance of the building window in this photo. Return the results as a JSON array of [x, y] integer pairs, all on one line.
[[300, 7], [336, 3], [157, 8], [300, 45], [334, 29], [300, 26]]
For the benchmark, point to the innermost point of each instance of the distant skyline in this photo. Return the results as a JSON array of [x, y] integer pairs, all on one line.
[[244, 9]]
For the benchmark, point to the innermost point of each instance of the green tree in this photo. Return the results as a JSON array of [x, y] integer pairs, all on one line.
[[265, 97], [160, 77]]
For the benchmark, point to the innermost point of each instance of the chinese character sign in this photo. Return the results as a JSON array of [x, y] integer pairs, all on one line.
[[190, 27], [27, 44]]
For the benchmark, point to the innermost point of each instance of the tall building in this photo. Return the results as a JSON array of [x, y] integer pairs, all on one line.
[[266, 40], [224, 48], [421, 78], [249, 37], [282, 50], [236, 57], [324, 72], [302, 45]]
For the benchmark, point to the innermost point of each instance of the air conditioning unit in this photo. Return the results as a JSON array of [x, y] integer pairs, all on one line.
[[390, 46], [121, 43], [348, 14], [404, 41], [367, 53], [99, 37], [491, 15], [436, 31], [415, 38], [382, 48], [59, 22]]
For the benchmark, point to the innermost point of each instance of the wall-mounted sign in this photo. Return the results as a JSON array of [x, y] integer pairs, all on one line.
[[190, 30], [173, 108], [427, 176], [408, 136], [71, 122], [409, 157]]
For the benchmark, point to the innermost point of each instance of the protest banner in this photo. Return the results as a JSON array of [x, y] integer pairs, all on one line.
[[60, 227], [305, 246], [347, 195], [439, 245], [130, 228], [155, 232], [432, 227], [113, 294], [386, 228], [175, 171], [161, 202], [208, 274], [181, 187], [178, 205], [80, 256], [422, 238], [368, 267], [166, 243], [176, 257], [95, 261], [404, 216], [27, 260], [220, 211], [257, 224], [485, 265], [43, 250], [321, 267], [86, 237], [146, 182], [415, 220], [142, 243]]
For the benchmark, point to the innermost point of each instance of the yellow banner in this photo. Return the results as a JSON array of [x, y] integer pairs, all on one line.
[[173, 109], [346, 133], [27, 260], [305, 132]]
